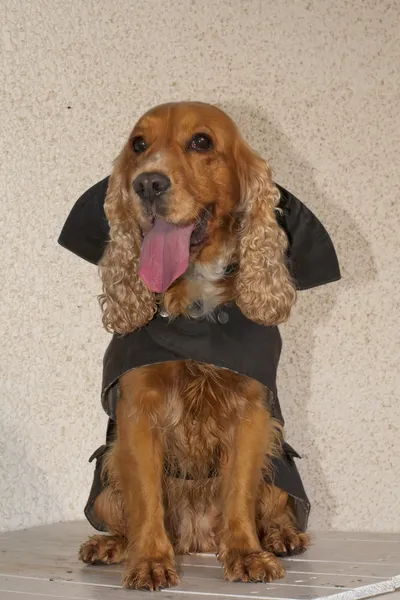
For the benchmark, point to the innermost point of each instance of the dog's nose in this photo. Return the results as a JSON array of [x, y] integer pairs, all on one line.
[[149, 186]]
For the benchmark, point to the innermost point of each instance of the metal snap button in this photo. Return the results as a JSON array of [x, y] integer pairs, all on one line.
[[223, 317], [163, 313]]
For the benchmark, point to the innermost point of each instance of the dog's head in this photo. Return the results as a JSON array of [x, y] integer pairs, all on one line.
[[187, 190]]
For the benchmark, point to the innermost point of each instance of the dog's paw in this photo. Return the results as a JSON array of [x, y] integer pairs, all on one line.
[[103, 550], [151, 574], [285, 541], [251, 566]]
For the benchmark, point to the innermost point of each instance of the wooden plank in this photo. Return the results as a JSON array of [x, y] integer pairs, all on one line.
[[329, 546], [87, 591], [81, 528], [42, 588], [113, 575], [45, 556], [338, 551], [43, 561], [359, 536], [97, 592], [304, 565]]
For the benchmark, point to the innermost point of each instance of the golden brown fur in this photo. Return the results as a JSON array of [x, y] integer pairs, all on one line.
[[234, 178], [194, 418]]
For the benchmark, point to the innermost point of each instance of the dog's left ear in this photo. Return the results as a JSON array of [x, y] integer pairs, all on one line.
[[265, 292]]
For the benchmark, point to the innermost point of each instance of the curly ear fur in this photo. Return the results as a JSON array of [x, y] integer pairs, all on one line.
[[126, 302], [265, 292]]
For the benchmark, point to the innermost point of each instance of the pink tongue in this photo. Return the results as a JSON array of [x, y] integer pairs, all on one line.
[[164, 255]]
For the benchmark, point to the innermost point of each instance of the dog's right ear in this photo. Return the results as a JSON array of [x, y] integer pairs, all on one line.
[[126, 302]]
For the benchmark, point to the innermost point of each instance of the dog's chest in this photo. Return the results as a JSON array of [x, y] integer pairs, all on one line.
[[205, 286], [203, 407]]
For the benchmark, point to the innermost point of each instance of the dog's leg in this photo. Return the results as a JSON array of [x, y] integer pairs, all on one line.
[[140, 458], [276, 523], [240, 550], [107, 549]]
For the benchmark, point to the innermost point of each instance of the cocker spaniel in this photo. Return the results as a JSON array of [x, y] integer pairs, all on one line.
[[193, 215]]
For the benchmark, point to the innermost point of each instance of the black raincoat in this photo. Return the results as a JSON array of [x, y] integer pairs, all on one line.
[[231, 341]]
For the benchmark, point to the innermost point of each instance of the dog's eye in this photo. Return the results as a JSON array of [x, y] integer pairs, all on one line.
[[139, 145], [201, 142]]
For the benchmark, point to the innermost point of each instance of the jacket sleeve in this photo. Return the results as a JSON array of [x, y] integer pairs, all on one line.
[[311, 254], [86, 229]]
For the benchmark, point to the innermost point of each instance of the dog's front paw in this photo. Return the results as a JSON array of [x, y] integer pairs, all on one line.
[[151, 574], [103, 550], [285, 541], [240, 565]]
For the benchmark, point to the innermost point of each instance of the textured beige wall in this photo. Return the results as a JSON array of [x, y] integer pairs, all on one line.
[[315, 87]]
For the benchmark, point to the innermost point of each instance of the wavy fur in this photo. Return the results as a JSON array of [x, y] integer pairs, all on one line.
[[265, 291], [126, 302], [262, 288]]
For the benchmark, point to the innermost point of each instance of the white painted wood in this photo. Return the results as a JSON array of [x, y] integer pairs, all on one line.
[[42, 563]]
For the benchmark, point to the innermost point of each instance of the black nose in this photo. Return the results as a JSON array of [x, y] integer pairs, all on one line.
[[149, 186]]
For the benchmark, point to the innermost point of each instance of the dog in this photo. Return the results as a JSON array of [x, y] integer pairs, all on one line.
[[195, 239]]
